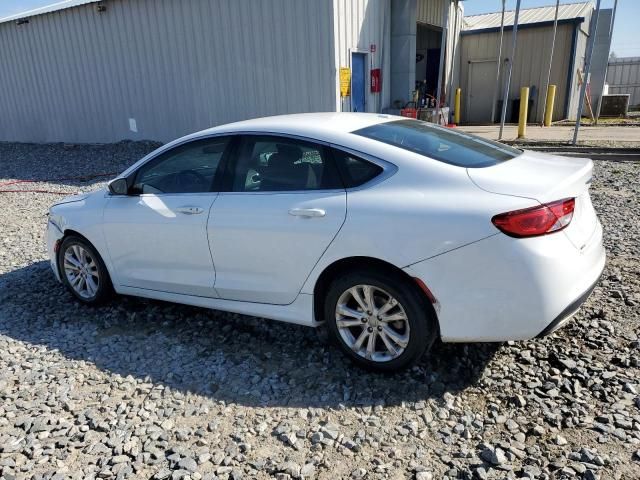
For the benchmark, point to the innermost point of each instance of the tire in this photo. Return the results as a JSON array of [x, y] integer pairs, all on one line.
[[93, 284], [409, 339]]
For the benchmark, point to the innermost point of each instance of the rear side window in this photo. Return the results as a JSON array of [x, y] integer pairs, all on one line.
[[279, 164], [354, 170], [443, 144]]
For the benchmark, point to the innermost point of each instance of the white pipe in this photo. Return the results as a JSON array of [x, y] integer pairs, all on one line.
[[443, 47], [498, 65], [511, 61], [456, 39]]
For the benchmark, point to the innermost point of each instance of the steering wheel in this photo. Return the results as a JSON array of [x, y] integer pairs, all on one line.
[[190, 181]]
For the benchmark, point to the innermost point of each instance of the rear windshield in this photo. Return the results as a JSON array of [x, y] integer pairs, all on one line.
[[439, 143]]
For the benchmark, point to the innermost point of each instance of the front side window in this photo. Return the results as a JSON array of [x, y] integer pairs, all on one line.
[[439, 143], [188, 168], [277, 164]]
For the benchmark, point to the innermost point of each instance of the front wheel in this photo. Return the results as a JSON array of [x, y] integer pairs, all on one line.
[[82, 270], [381, 322]]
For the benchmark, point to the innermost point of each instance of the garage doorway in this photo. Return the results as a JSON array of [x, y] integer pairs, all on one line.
[[358, 81], [482, 77]]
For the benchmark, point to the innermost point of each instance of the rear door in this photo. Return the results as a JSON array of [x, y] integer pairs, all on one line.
[[283, 206]]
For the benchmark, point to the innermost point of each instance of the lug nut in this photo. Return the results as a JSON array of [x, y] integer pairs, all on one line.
[[379, 329], [370, 329], [364, 320]]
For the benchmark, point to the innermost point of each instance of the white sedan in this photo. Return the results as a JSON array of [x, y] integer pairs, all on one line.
[[392, 232]]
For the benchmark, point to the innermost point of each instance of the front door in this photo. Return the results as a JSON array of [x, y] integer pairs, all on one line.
[[358, 82], [284, 205], [157, 235]]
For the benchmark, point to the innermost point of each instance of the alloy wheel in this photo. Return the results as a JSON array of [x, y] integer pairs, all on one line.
[[81, 271], [372, 323]]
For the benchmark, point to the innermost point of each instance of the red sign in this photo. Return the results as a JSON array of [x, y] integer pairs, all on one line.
[[372, 48], [376, 80]]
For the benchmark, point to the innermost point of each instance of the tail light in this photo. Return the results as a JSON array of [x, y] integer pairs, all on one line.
[[535, 221]]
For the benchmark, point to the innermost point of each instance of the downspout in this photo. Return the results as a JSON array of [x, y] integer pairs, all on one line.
[[496, 86], [571, 72]]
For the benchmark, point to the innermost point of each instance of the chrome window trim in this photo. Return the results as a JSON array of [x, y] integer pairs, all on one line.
[[388, 168]]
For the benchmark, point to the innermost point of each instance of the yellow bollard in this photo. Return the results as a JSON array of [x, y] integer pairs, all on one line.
[[456, 111], [548, 113], [524, 107]]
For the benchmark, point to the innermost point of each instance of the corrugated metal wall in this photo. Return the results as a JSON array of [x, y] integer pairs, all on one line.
[[531, 65], [431, 11], [623, 76], [357, 25], [77, 75]]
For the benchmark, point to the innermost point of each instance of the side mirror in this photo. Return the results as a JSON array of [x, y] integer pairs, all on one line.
[[119, 186]]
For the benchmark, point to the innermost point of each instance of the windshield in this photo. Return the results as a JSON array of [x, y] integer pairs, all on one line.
[[439, 143]]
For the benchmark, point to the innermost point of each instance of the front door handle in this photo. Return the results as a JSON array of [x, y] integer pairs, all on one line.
[[307, 212], [190, 210]]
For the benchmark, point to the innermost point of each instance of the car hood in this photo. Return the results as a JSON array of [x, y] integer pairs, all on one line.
[[78, 197]]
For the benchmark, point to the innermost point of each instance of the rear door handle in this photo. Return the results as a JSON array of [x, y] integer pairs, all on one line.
[[307, 212], [190, 210]]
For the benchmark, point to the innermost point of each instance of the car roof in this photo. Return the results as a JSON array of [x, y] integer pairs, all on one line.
[[320, 125]]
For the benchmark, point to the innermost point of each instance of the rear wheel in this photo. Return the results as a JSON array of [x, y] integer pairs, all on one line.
[[380, 321], [82, 270]]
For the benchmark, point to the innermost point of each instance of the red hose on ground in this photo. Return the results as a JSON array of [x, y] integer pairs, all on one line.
[[61, 179]]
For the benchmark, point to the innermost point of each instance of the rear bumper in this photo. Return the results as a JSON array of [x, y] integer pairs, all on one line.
[[502, 288], [568, 312]]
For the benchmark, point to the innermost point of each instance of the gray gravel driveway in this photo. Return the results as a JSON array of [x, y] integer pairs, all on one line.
[[145, 389]]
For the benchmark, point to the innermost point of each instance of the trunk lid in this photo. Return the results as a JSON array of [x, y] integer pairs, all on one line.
[[545, 178]]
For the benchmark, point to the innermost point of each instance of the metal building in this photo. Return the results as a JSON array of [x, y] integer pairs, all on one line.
[[623, 76], [478, 49], [103, 71]]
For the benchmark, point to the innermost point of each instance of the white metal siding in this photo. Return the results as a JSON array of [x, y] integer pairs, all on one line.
[[357, 25], [431, 12], [76, 75], [623, 76]]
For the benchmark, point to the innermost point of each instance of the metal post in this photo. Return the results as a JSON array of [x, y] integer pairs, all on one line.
[[587, 67], [553, 45], [498, 65], [613, 19], [548, 111], [508, 84], [524, 109], [443, 47]]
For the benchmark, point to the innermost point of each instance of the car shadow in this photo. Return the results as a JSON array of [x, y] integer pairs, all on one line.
[[223, 356]]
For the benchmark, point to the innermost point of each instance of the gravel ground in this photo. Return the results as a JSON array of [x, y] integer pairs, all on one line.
[[145, 389]]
